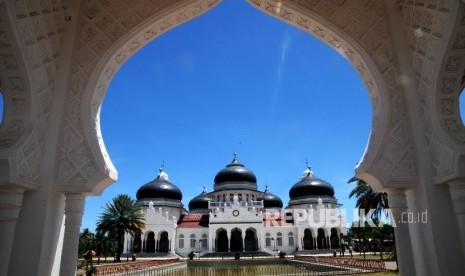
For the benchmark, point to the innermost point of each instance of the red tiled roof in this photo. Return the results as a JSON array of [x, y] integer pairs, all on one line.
[[193, 221]]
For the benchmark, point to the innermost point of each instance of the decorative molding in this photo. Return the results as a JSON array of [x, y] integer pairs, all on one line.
[[106, 42]]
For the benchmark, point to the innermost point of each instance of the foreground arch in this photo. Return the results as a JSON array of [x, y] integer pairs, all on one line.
[[57, 61]]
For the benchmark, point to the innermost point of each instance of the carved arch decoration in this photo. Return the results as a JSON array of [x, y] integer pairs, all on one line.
[[29, 37], [359, 31], [109, 34], [449, 84], [434, 29], [356, 30]]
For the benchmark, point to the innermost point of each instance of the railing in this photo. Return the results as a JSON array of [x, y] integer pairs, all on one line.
[[246, 268], [221, 204], [372, 265], [126, 268]]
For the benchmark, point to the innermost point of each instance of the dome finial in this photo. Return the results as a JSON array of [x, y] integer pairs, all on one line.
[[203, 189], [235, 155], [266, 186], [308, 170], [161, 171]]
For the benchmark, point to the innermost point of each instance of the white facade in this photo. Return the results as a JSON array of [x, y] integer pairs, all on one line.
[[246, 221]]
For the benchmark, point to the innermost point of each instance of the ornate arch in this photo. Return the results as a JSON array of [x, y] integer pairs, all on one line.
[[340, 24], [360, 33], [105, 43]]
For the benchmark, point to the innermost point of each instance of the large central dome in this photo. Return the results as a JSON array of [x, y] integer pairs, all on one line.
[[235, 176]]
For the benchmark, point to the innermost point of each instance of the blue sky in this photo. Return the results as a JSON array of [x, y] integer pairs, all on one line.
[[216, 85]]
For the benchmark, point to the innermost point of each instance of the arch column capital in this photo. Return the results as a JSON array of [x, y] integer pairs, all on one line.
[[11, 201], [74, 209], [457, 195]]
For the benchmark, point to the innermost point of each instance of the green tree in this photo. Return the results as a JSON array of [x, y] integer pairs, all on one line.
[[367, 199], [86, 241], [121, 215]]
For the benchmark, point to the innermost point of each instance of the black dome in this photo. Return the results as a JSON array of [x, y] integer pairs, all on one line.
[[270, 200], [235, 176], [311, 186], [159, 188], [199, 202]]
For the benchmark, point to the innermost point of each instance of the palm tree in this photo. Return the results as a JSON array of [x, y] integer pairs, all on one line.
[[367, 199], [120, 216]]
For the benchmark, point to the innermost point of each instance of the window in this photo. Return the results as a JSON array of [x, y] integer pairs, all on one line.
[[204, 240], [268, 239], [181, 241], [192, 241], [291, 239], [279, 240]]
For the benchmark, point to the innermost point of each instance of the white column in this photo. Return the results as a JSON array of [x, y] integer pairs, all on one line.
[[457, 194], [125, 242], [211, 239], [173, 241], [74, 209], [398, 205], [11, 200]]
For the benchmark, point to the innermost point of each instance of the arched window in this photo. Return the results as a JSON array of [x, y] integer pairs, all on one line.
[[218, 198], [231, 197], [204, 240], [181, 241], [192, 241], [240, 197], [291, 239], [268, 239], [247, 197], [279, 239]]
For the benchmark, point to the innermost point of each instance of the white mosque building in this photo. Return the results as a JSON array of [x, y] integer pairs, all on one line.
[[236, 217]]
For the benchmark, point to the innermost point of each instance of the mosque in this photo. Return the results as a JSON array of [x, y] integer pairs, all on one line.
[[236, 217]]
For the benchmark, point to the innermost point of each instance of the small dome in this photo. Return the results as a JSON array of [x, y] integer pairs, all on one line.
[[160, 188], [235, 176], [199, 202], [310, 186], [270, 200]]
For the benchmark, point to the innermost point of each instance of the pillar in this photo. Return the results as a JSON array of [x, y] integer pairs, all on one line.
[[229, 240], [457, 195], [11, 200], [398, 205], [74, 209]]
